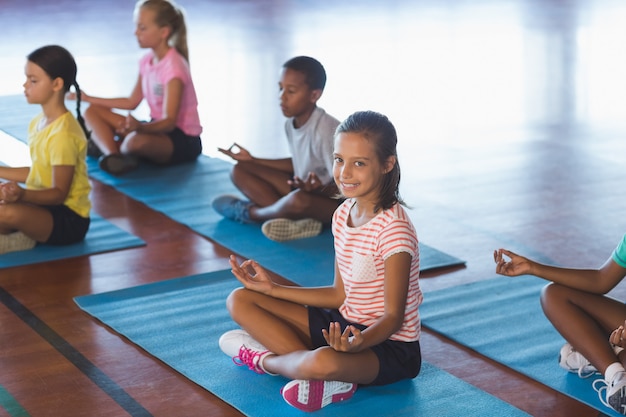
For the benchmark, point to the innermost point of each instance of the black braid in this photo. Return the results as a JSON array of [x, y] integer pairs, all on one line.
[[79, 116]]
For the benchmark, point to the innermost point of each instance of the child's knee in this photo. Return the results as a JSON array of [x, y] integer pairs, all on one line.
[[553, 295], [320, 364], [232, 299], [241, 173], [298, 201], [134, 144], [237, 299], [550, 291], [7, 214], [93, 112], [11, 218]]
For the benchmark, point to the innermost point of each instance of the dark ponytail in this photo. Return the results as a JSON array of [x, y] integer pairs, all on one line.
[[79, 116], [57, 62]]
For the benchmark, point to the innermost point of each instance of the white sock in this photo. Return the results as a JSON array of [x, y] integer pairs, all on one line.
[[261, 359], [612, 370]]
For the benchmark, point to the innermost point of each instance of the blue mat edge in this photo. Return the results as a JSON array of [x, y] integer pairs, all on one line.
[[48, 253]]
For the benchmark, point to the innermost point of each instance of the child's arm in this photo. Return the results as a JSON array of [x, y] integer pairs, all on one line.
[[62, 176], [597, 281], [241, 154], [397, 272], [14, 174], [122, 103], [255, 278], [284, 164], [172, 97]]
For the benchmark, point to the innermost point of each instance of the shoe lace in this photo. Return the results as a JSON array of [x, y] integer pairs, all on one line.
[[240, 210], [601, 390], [250, 358], [586, 374], [579, 364]]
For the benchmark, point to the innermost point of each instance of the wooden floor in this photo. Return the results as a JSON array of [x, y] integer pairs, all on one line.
[[512, 124]]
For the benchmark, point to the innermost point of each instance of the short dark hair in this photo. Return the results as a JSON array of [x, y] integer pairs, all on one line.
[[311, 68], [381, 133]]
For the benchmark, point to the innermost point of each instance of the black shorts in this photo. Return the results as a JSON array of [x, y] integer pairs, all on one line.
[[67, 226], [186, 148], [397, 360]]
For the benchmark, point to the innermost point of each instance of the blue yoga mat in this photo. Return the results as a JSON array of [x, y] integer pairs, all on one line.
[[103, 236], [502, 319], [179, 321], [185, 193]]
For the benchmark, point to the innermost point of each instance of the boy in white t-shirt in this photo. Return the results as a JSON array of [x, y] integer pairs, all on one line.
[[293, 197]]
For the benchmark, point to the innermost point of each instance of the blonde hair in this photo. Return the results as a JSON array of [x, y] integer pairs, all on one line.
[[169, 14]]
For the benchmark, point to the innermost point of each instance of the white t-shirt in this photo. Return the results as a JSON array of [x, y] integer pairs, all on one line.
[[312, 145]]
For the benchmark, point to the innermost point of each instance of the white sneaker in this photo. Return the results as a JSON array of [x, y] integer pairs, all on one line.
[[615, 396], [282, 230], [313, 395], [239, 345], [16, 241], [573, 361]]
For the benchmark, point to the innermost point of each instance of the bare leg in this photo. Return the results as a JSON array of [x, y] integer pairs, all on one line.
[[263, 186], [273, 198], [326, 364], [585, 320], [35, 222], [102, 122], [296, 205], [157, 148], [279, 325], [283, 328]]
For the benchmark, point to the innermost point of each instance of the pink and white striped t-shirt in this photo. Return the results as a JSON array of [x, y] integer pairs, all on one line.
[[361, 253]]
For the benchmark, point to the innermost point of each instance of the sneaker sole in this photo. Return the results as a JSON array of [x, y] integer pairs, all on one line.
[[281, 230], [117, 164], [617, 401], [309, 395], [15, 242]]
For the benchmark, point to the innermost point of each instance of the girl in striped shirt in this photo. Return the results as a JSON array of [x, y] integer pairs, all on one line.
[[362, 330]]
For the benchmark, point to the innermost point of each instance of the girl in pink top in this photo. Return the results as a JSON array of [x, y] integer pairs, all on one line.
[[362, 330], [172, 135]]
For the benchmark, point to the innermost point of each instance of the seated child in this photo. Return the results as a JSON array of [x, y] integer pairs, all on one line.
[[54, 206], [364, 329], [172, 136], [576, 304], [296, 196]]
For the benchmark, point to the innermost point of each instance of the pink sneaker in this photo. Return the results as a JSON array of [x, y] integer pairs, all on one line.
[[313, 395], [244, 350], [252, 359]]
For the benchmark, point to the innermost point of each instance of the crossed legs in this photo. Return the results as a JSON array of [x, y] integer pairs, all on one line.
[[35, 222], [273, 198], [283, 328], [585, 320], [103, 123]]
